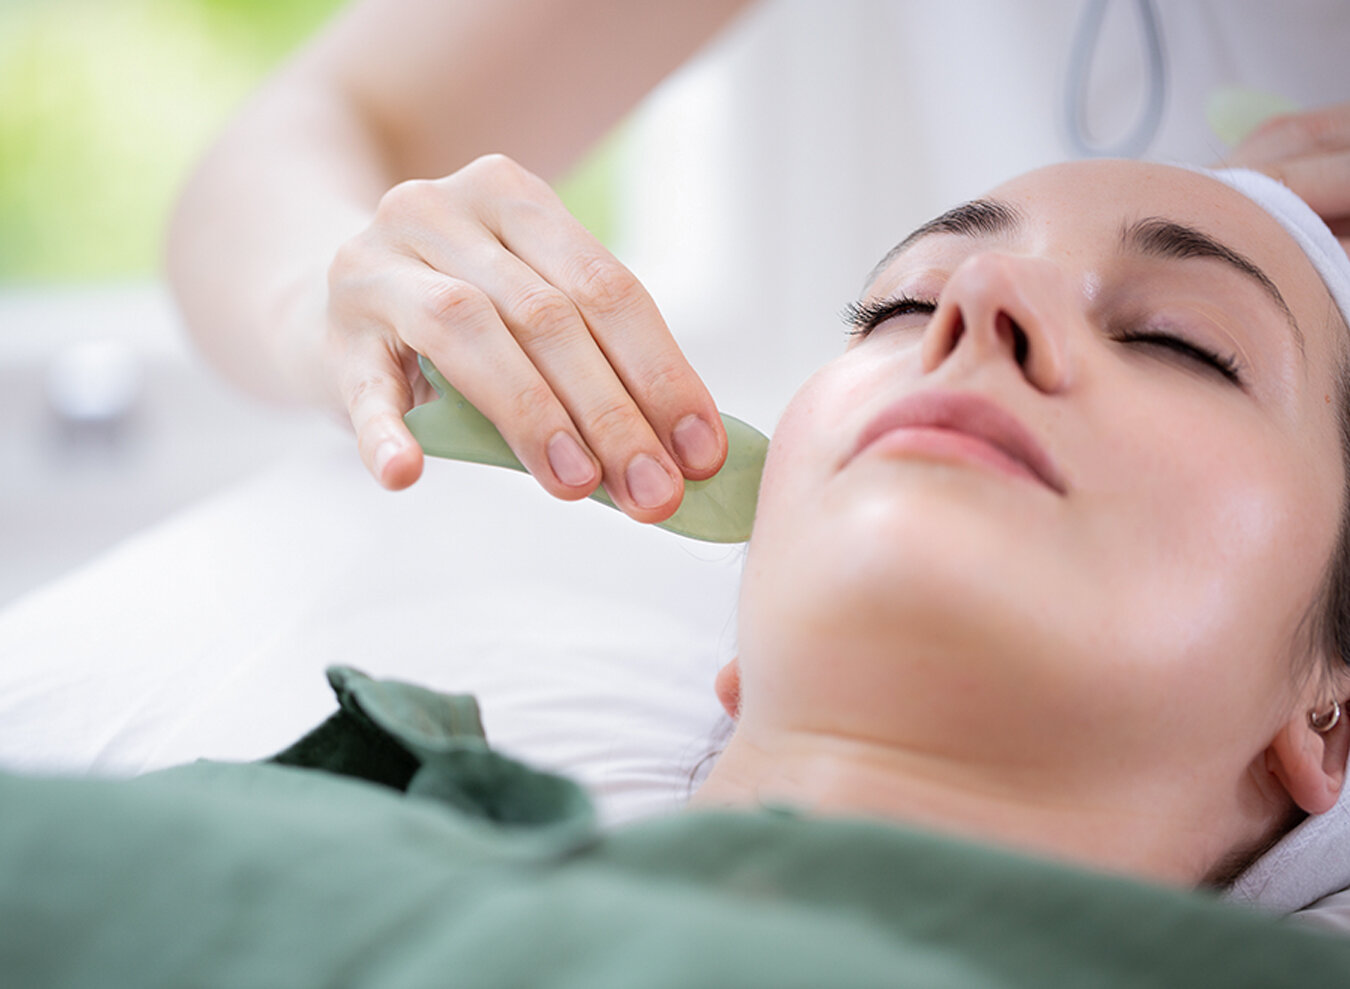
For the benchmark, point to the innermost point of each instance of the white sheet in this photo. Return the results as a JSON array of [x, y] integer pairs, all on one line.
[[591, 641]]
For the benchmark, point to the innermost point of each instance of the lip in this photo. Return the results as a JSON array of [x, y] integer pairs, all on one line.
[[946, 423]]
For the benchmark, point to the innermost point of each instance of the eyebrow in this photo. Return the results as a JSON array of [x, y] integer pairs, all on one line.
[[977, 218], [1161, 238]]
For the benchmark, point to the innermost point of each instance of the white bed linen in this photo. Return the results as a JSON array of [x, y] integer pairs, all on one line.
[[591, 641]]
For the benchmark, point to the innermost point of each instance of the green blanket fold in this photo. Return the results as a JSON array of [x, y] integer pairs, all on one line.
[[447, 864]]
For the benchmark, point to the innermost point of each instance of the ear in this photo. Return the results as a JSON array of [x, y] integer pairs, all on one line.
[[1308, 764], [728, 687]]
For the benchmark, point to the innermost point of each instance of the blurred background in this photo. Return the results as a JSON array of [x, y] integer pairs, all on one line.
[[751, 193], [108, 422]]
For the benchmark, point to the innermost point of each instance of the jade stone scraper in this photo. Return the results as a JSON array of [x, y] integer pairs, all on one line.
[[718, 510]]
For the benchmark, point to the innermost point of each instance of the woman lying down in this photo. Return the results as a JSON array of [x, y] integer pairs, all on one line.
[[1014, 693]]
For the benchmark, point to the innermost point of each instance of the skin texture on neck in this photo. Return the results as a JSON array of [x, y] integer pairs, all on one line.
[[1095, 658], [1107, 830]]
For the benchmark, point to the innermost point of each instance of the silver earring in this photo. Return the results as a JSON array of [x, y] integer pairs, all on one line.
[[1323, 723]]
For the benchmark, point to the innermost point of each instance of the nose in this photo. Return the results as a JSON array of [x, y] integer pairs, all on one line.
[[1006, 307]]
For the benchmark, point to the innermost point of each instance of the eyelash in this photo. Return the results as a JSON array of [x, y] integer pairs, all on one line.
[[1226, 366], [863, 317]]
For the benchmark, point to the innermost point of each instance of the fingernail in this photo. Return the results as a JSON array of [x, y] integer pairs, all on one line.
[[695, 443], [648, 482], [569, 461]]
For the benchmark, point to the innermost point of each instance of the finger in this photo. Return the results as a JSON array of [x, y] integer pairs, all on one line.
[[376, 393], [636, 343], [1295, 135], [457, 327], [1322, 181], [622, 318], [542, 331]]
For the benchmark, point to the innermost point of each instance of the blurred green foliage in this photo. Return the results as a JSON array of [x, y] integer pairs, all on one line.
[[105, 105]]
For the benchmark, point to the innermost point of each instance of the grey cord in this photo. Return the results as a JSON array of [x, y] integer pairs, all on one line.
[[1085, 41]]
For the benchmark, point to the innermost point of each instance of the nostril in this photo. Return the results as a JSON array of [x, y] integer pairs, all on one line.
[[1020, 345], [1008, 326]]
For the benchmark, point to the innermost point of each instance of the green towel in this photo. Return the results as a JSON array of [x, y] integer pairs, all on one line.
[[441, 863]]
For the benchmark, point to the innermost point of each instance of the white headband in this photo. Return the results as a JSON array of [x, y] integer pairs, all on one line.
[[1297, 217], [1313, 860]]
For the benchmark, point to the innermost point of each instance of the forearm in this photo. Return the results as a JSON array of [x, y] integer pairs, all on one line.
[[250, 242]]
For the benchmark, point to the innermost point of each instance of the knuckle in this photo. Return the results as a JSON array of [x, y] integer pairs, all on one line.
[[610, 420], [351, 264], [344, 262], [666, 378], [406, 199], [496, 169], [368, 391], [544, 311], [342, 269], [494, 162], [352, 303], [498, 180], [448, 301], [532, 403], [604, 286]]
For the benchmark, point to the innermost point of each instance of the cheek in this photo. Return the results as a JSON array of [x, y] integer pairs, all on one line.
[[1211, 542], [795, 534], [808, 442]]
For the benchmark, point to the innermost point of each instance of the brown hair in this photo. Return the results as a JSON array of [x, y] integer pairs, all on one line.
[[1328, 620]]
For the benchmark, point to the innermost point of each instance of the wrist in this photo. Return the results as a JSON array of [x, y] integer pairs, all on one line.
[[303, 350]]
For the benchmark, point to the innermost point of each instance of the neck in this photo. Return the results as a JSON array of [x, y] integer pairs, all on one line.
[[830, 774]]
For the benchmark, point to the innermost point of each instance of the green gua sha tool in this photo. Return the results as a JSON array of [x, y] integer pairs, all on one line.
[[718, 510]]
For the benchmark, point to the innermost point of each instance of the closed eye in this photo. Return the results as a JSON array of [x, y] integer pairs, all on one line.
[[864, 317], [1224, 365]]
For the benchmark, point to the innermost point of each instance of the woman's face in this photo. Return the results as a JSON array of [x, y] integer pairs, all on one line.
[[1106, 547]]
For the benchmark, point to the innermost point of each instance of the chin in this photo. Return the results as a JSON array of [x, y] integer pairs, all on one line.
[[903, 521], [893, 628], [940, 551]]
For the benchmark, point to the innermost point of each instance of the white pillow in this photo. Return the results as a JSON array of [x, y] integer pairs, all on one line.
[[591, 641]]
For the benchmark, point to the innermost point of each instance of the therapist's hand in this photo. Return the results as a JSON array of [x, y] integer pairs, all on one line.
[[1308, 151], [487, 274]]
